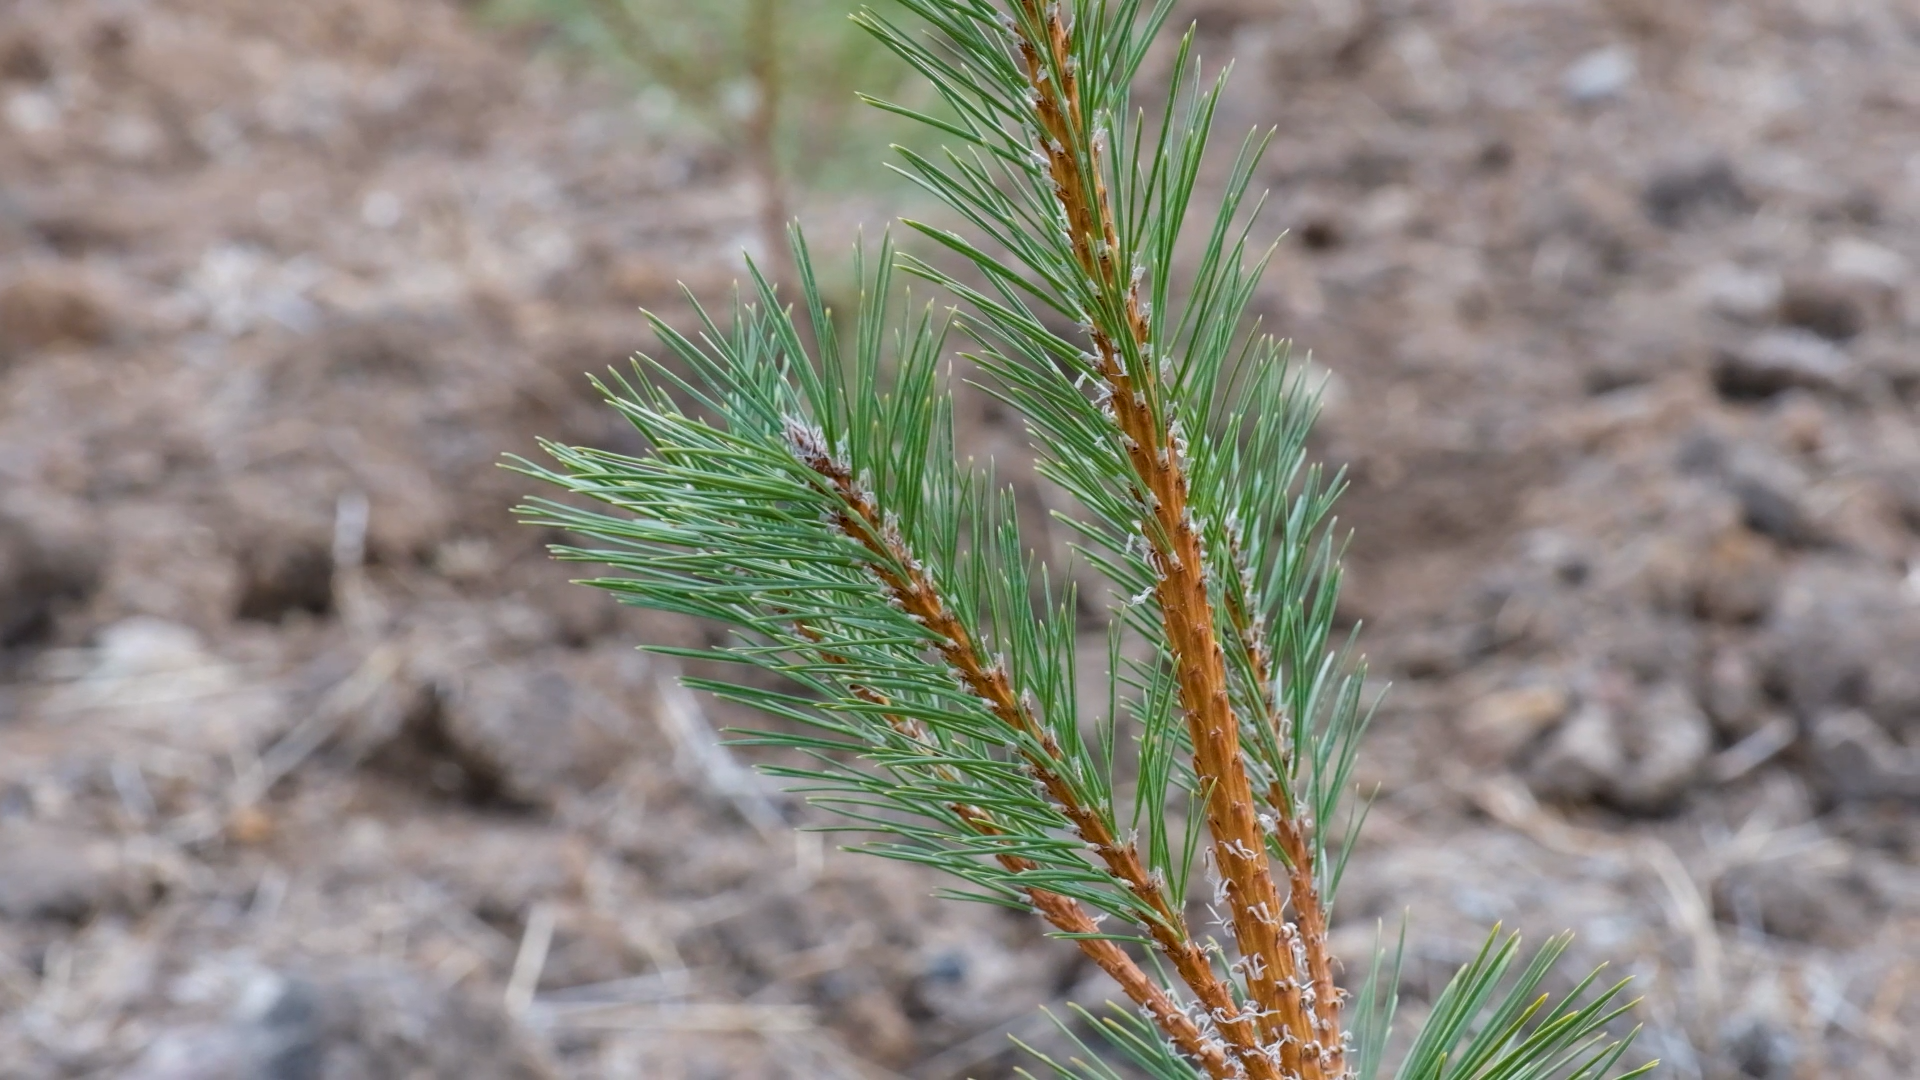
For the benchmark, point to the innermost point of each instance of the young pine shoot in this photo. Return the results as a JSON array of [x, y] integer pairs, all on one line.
[[800, 486]]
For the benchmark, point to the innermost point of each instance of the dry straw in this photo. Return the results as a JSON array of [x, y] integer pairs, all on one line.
[[801, 488]]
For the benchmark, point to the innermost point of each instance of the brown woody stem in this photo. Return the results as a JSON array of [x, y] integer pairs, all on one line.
[[1276, 958]]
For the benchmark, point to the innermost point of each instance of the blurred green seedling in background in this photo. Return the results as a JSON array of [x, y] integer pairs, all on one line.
[[775, 81]]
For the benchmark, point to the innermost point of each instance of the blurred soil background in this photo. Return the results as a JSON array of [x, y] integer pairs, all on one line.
[[312, 765]]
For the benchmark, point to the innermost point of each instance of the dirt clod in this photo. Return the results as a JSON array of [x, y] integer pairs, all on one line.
[[63, 873], [49, 310], [367, 1021], [1781, 360]]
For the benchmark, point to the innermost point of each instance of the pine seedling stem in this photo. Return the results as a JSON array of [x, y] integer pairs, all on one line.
[[1285, 1010], [801, 488]]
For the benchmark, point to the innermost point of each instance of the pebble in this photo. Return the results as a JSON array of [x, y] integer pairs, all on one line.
[[42, 573], [1787, 898], [372, 1020], [1738, 578], [1600, 75], [1860, 260], [1581, 759], [1781, 360], [1670, 739], [1641, 753], [1859, 760], [1736, 292], [1731, 692], [158, 678], [1761, 1050], [44, 310], [1681, 195], [1846, 636], [1503, 723], [1832, 308], [54, 872]]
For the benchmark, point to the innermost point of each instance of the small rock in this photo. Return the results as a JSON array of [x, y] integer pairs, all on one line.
[[499, 871], [1638, 753], [42, 572], [1700, 452], [22, 60], [1581, 759], [1739, 578], [526, 730], [1870, 516], [1732, 693], [1845, 637], [33, 113], [1781, 360], [1858, 260], [1897, 367], [1786, 898], [1858, 760], [1568, 558], [1650, 649], [1434, 652], [966, 976], [877, 1027], [537, 728], [1668, 742], [1761, 1050], [1830, 308], [54, 872], [208, 1052], [249, 826], [370, 1021], [157, 678], [1387, 210], [286, 576], [1771, 510], [1736, 292], [1600, 75], [1668, 577], [47, 310], [1502, 723], [1803, 422], [1680, 196]]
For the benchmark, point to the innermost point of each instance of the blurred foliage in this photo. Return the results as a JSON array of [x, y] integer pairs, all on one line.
[[775, 79]]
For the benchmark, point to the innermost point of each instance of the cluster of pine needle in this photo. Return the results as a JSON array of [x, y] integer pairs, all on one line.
[[800, 487]]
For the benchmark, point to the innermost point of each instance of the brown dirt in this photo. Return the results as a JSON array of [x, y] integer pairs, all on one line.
[[306, 749]]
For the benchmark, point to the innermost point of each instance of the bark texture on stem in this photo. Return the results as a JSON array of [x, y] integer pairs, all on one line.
[[1277, 960]]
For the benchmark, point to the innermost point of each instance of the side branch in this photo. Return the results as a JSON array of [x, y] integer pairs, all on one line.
[[1064, 913], [1294, 840]]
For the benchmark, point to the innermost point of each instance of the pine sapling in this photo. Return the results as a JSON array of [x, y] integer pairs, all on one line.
[[801, 487]]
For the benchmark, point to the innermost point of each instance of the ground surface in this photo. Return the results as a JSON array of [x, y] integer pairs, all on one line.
[[311, 765]]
